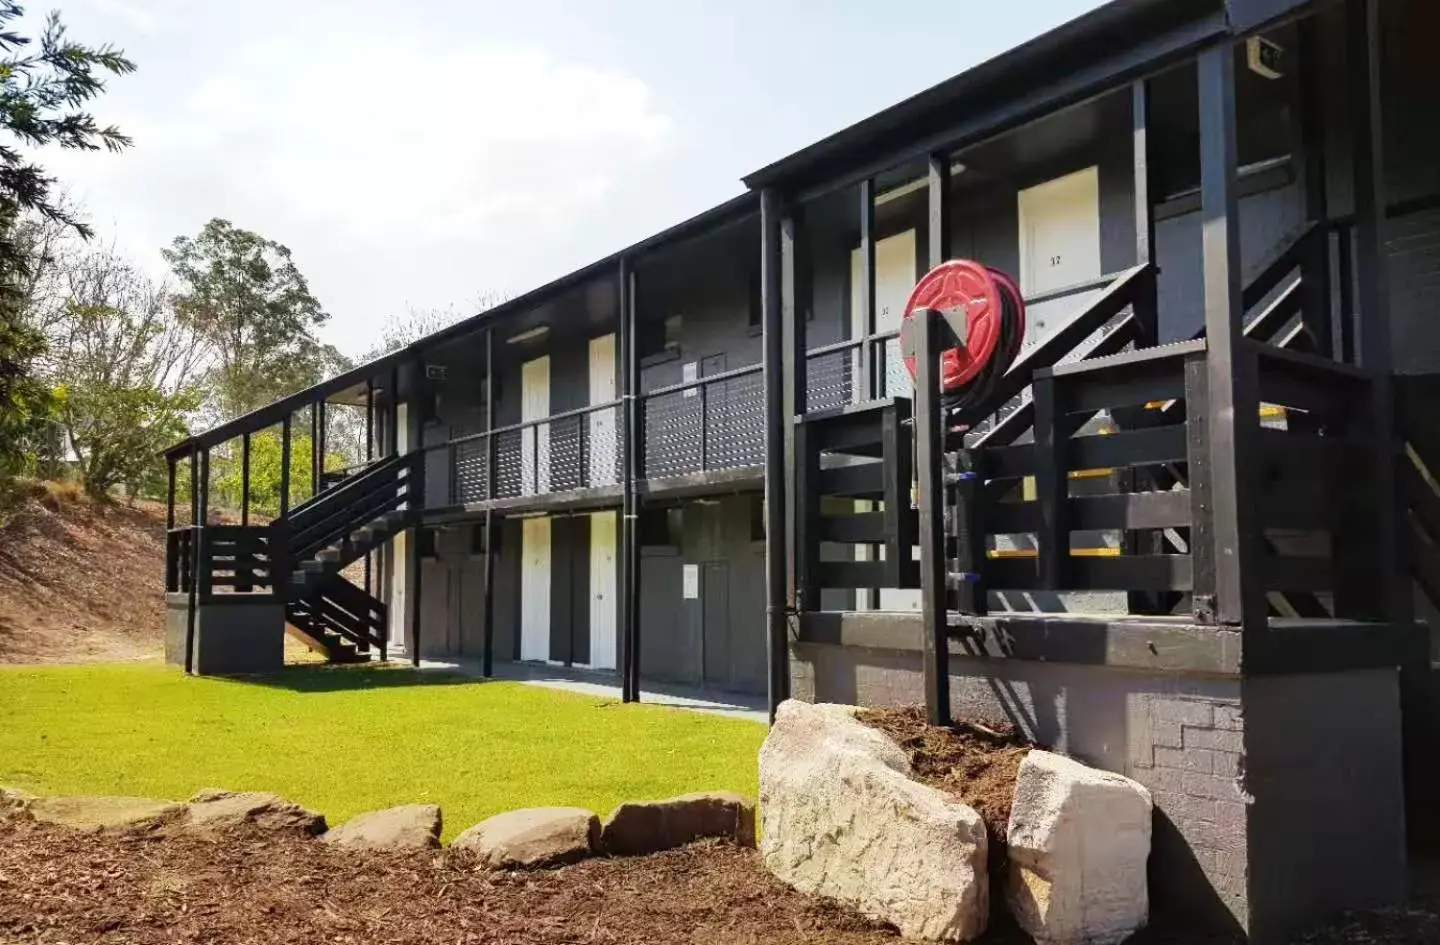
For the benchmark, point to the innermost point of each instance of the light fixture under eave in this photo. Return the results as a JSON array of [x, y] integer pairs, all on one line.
[[529, 334]]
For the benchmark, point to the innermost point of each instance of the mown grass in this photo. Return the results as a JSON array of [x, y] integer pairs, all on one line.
[[347, 740]]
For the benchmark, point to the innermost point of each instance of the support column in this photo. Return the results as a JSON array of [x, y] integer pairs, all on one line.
[[1148, 314], [170, 493], [1233, 594], [929, 471], [938, 179], [1315, 266], [285, 465], [870, 359], [778, 567], [794, 308], [1374, 351], [245, 479], [316, 423], [200, 501], [491, 525], [632, 449]]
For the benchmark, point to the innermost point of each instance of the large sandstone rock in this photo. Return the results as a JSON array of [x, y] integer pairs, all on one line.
[[841, 818], [102, 813], [651, 826], [535, 836], [1079, 839], [409, 827], [13, 802], [214, 811]]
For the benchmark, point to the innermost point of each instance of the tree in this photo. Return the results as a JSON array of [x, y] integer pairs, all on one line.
[[400, 331], [245, 296], [42, 94]]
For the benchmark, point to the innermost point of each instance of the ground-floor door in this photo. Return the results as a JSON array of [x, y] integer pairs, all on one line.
[[603, 591], [535, 589]]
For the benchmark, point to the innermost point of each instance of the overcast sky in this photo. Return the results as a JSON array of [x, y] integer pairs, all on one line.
[[419, 154]]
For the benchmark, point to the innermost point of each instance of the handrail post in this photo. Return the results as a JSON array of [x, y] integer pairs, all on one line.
[[929, 471]]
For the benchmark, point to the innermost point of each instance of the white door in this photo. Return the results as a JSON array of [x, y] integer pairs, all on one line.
[[603, 591], [602, 439], [1059, 246], [535, 441], [894, 279], [535, 589]]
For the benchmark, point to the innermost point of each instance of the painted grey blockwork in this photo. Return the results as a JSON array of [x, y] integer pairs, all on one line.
[[232, 637], [1278, 799]]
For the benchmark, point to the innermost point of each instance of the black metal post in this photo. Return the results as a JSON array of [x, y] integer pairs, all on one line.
[[170, 493], [929, 472], [794, 301], [630, 444], [285, 465], [777, 567], [1315, 265], [245, 479], [392, 419], [938, 222], [416, 567], [315, 448], [491, 530], [200, 502], [1144, 206], [1233, 421], [865, 304], [1393, 596], [369, 419]]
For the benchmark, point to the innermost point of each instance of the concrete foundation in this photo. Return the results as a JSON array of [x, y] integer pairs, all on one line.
[[235, 634], [1278, 799]]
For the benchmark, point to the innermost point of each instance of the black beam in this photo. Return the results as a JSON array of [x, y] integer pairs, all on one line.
[[1233, 420], [200, 500], [285, 438], [1315, 264], [392, 420], [1146, 310], [170, 493], [413, 590], [1052, 483], [777, 569], [487, 656], [794, 301], [1394, 601], [626, 286], [316, 421], [865, 304], [370, 419], [245, 479], [930, 478], [938, 217]]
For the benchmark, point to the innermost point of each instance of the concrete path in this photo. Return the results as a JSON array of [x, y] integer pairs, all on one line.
[[607, 686]]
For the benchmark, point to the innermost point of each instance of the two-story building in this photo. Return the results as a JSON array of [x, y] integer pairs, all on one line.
[[1207, 498]]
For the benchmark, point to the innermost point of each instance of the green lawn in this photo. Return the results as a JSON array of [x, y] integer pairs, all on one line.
[[343, 741]]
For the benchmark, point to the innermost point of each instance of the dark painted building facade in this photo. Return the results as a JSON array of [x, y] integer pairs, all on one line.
[[618, 471]]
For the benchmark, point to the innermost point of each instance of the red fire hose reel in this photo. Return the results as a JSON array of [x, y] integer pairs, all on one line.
[[986, 315]]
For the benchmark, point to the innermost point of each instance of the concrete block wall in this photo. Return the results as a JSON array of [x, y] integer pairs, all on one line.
[[1278, 799]]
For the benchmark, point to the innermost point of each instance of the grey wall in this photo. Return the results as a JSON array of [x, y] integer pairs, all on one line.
[[718, 639], [1278, 800]]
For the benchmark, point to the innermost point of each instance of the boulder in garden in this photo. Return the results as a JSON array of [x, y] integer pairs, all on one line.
[[1079, 839], [102, 812], [842, 818], [637, 827], [214, 811], [534, 836], [408, 827]]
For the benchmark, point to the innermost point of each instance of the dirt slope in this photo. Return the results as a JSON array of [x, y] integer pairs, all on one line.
[[79, 581]]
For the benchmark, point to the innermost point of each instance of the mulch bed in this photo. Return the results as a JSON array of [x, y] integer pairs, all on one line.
[[62, 886], [976, 764]]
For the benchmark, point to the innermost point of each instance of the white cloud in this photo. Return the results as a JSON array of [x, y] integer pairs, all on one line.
[[380, 156]]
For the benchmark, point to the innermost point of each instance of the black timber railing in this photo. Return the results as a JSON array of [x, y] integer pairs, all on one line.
[[225, 559], [1417, 405]]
